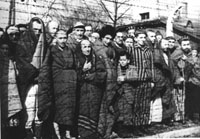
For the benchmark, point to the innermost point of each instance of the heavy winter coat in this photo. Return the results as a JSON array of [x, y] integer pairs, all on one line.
[[165, 77], [106, 119], [25, 50], [91, 85], [59, 80]]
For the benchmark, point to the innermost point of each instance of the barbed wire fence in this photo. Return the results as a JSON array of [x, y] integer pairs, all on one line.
[[15, 12]]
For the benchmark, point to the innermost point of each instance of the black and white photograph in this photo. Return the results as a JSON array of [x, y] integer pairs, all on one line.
[[99, 69]]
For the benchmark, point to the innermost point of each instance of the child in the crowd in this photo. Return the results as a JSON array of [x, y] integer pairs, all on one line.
[[124, 99]]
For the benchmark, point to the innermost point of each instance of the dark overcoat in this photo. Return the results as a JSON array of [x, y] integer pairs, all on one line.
[[165, 77], [106, 119], [58, 82], [91, 91]]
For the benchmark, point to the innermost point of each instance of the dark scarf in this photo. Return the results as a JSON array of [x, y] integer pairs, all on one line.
[[82, 59]]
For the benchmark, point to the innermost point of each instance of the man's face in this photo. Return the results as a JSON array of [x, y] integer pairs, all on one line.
[[86, 47], [171, 43], [53, 28], [78, 32], [37, 28], [131, 32], [128, 42], [88, 31], [151, 36], [119, 38], [4, 49], [186, 47], [123, 61], [141, 38], [61, 38], [107, 40], [94, 36]]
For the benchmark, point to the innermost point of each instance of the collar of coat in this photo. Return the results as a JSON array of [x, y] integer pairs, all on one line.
[[141, 47]]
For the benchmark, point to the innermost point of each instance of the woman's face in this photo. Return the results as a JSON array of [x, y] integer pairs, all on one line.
[[86, 47], [61, 38]]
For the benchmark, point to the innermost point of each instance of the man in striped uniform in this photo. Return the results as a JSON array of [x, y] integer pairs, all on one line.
[[142, 58]]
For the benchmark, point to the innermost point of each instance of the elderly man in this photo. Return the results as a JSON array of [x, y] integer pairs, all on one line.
[[47, 125], [52, 27], [76, 36]]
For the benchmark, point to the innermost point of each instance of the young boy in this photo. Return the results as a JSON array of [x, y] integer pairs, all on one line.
[[124, 99]]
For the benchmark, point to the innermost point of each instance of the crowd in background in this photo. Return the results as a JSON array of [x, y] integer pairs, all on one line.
[[87, 84]]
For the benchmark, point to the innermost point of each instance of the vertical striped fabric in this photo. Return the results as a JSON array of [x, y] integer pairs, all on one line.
[[142, 58]]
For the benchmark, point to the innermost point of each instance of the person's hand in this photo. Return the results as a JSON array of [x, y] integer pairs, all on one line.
[[87, 66], [152, 84], [13, 122], [121, 78], [180, 80], [184, 57]]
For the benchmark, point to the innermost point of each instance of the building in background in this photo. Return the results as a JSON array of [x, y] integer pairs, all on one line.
[[89, 11], [66, 11], [186, 23]]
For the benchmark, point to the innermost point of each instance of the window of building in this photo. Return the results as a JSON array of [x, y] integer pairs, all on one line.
[[144, 15]]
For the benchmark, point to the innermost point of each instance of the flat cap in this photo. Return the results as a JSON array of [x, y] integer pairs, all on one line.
[[79, 25]]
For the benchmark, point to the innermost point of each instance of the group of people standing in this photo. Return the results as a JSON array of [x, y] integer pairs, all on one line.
[[94, 85]]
